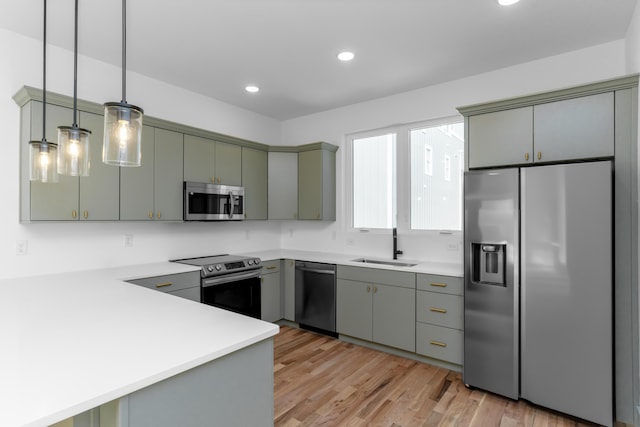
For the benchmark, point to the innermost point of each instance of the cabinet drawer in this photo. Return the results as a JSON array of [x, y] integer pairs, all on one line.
[[271, 266], [439, 342], [437, 283], [170, 282], [403, 279], [439, 309]]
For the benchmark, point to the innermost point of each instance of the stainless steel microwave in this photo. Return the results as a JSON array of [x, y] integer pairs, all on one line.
[[212, 202]]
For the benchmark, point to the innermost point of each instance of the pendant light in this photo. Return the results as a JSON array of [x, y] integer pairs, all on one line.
[[43, 156], [73, 142], [122, 121]]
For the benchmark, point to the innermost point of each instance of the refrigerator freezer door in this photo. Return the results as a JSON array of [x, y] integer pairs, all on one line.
[[491, 281], [566, 288]]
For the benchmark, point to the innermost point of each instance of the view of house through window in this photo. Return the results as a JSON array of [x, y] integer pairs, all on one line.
[[429, 182], [436, 187]]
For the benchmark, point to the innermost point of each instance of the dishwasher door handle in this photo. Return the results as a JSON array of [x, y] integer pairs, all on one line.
[[315, 270]]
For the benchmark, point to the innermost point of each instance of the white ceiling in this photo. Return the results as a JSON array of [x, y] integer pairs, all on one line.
[[289, 47]]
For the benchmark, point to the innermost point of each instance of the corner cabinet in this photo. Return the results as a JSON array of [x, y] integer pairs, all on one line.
[[154, 190], [573, 124], [255, 166], [317, 184], [283, 185]]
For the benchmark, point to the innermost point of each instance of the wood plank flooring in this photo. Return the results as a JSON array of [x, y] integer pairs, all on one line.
[[322, 381]]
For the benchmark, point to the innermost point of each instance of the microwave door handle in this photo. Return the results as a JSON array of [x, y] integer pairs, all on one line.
[[230, 204]]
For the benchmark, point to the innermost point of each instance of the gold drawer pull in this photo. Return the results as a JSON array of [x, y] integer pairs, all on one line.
[[438, 343], [271, 267], [526, 156], [162, 285], [539, 155], [150, 214], [74, 214], [438, 310], [440, 285], [159, 215], [85, 214]]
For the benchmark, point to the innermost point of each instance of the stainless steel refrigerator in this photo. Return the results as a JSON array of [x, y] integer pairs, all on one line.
[[538, 286]]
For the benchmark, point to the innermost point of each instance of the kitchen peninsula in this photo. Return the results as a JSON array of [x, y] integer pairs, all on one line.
[[75, 341]]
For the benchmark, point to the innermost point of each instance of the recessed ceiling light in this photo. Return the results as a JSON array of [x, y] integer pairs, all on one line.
[[346, 56], [507, 2], [252, 89]]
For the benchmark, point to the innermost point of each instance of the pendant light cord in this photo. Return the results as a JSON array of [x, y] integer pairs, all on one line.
[[124, 50], [75, 71], [44, 75]]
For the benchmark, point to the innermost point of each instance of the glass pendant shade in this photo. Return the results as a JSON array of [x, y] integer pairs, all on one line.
[[122, 134], [43, 161], [73, 151]]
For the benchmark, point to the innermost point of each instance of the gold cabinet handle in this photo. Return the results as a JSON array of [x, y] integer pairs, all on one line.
[[368, 289], [526, 156], [317, 216], [438, 343], [271, 267], [213, 179], [439, 285], [150, 214], [375, 289], [162, 285], [159, 215], [539, 155], [438, 310], [85, 214], [74, 214]]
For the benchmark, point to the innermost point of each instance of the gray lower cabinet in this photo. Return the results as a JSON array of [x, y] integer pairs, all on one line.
[[185, 285], [270, 306], [377, 305], [94, 197], [439, 317], [154, 190], [255, 183], [289, 289]]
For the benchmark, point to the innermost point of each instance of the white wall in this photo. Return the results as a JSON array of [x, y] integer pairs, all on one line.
[[64, 246], [584, 66]]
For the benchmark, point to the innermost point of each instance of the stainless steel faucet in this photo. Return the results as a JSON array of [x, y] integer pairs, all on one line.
[[396, 252]]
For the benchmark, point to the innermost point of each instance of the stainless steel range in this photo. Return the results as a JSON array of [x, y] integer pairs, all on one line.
[[230, 282]]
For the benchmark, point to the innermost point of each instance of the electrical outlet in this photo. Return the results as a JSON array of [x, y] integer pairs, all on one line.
[[333, 235], [350, 242], [452, 247], [246, 235], [128, 240], [291, 233], [22, 247]]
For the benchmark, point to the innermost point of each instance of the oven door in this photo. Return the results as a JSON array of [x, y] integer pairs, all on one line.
[[234, 292]]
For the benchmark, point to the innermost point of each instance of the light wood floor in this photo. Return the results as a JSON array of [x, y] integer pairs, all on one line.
[[321, 381]]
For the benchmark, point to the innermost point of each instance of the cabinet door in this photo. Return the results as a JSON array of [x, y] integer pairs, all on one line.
[[100, 191], [394, 316], [310, 185], [283, 185], [289, 294], [199, 155], [354, 309], [578, 128], [168, 191], [53, 201], [136, 183], [270, 297], [501, 138], [228, 164], [254, 181]]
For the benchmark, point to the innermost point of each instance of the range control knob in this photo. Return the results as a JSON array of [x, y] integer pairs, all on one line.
[[256, 261], [250, 262], [218, 267], [210, 268]]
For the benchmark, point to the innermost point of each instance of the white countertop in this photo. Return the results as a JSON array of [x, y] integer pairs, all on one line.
[[439, 268], [73, 341]]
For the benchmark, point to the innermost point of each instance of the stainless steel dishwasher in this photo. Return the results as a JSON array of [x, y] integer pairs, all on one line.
[[316, 296]]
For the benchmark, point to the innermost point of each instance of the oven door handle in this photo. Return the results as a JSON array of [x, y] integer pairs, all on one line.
[[230, 278]]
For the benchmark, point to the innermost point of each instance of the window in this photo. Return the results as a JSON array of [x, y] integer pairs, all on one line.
[[410, 174]]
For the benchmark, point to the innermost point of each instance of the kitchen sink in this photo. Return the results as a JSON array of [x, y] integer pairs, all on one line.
[[383, 262]]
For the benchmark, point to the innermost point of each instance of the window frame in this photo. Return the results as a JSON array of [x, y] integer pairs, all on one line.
[[403, 177]]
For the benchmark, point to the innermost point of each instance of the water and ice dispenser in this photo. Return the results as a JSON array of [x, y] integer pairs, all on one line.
[[488, 261]]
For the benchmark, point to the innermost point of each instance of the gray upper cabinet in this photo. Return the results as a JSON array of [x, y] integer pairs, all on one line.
[[100, 191], [254, 181], [317, 185], [153, 191], [283, 185], [206, 160], [578, 128], [501, 138], [555, 127]]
